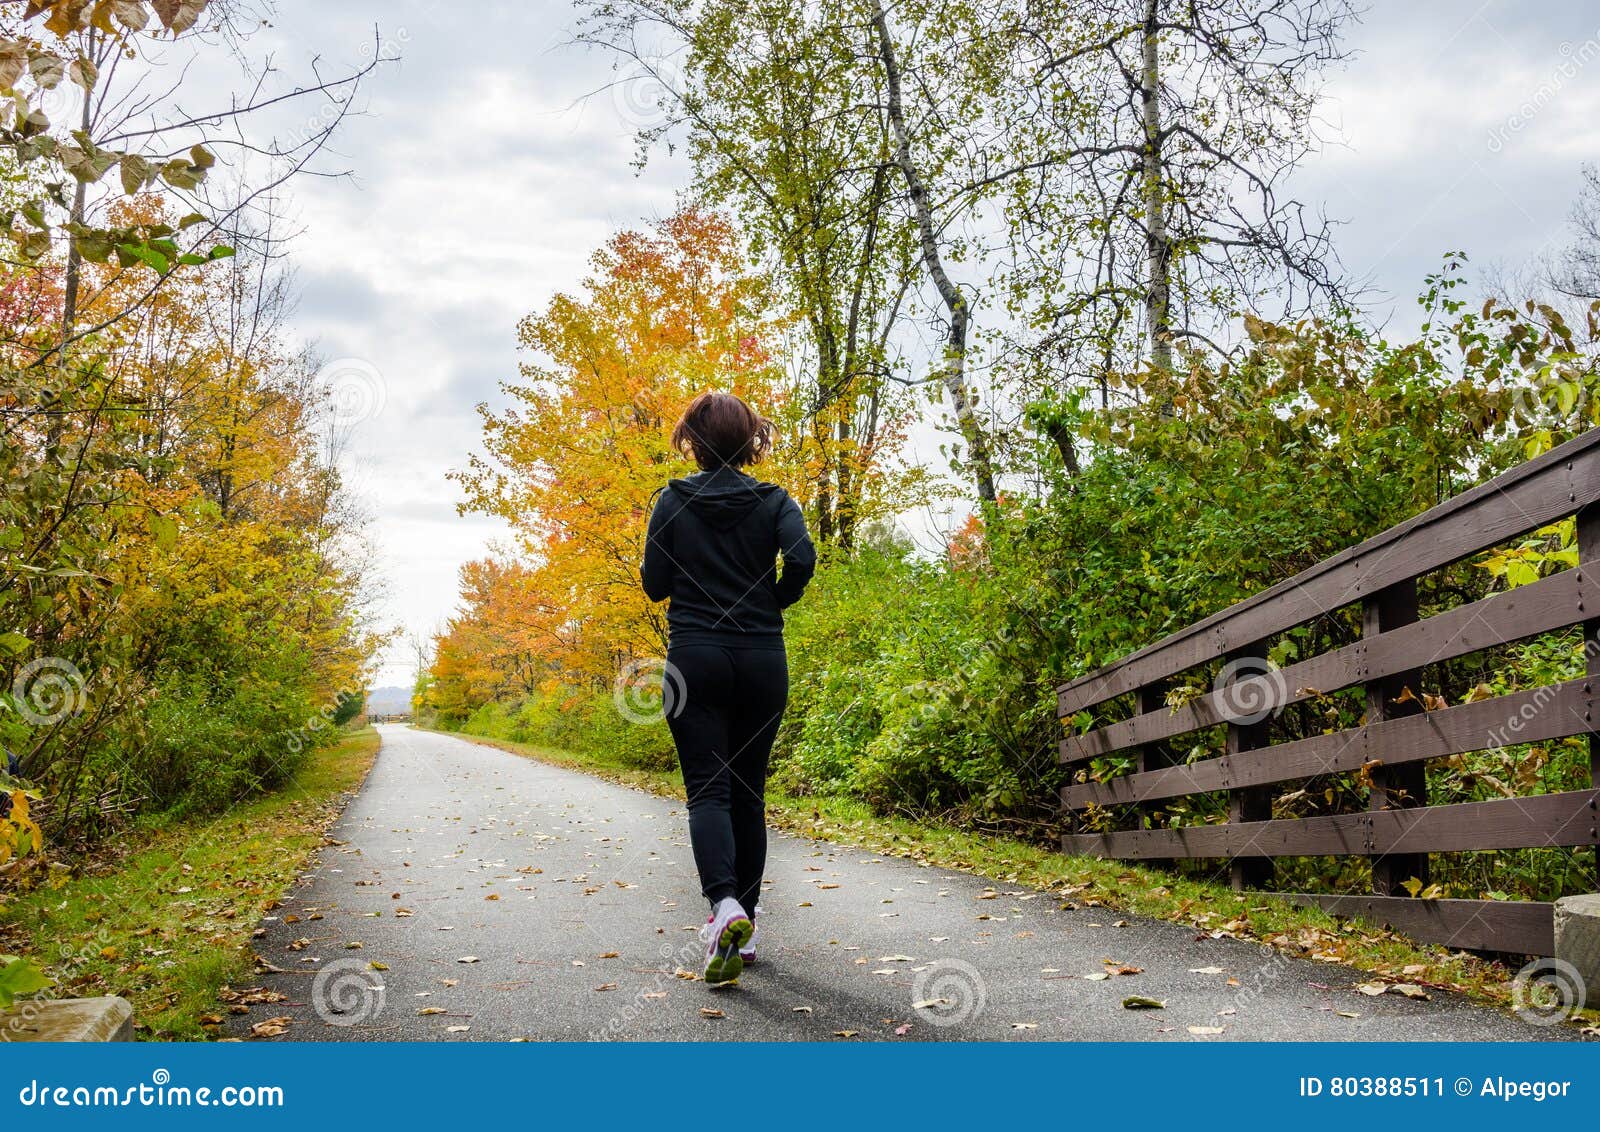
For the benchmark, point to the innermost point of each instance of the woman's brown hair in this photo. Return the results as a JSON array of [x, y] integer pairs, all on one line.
[[720, 429]]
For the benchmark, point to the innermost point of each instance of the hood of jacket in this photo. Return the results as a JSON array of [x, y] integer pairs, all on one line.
[[722, 497]]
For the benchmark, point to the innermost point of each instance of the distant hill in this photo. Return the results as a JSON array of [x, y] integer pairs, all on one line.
[[391, 700]]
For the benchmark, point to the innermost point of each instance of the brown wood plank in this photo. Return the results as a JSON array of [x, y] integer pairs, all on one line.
[[1395, 785], [1250, 803], [1154, 756], [1531, 495], [1566, 819], [1550, 603], [1553, 711], [1521, 926], [1588, 532]]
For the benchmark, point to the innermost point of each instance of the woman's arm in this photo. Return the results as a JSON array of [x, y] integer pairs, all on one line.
[[657, 570], [799, 556]]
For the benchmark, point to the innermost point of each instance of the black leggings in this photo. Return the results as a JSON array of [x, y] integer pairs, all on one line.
[[724, 715]]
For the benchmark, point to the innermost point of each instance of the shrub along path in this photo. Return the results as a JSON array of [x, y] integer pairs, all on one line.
[[475, 894]]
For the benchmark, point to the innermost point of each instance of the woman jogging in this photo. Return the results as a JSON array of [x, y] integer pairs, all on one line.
[[712, 548]]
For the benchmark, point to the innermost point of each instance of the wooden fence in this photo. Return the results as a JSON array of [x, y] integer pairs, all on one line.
[[1397, 736]]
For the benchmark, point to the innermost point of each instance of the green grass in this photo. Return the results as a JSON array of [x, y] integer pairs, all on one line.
[[1092, 882], [167, 923]]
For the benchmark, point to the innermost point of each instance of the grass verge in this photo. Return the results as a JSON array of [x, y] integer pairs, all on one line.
[[1213, 909], [167, 923]]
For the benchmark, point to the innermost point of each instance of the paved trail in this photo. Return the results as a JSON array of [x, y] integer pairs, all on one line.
[[577, 899]]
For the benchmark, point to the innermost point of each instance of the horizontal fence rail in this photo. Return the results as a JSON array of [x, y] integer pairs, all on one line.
[[1398, 734]]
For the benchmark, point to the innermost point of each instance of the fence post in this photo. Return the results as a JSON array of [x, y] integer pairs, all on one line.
[[1588, 524], [1404, 786], [1152, 756], [1252, 803]]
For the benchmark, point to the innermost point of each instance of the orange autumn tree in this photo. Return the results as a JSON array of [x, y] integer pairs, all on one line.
[[573, 464]]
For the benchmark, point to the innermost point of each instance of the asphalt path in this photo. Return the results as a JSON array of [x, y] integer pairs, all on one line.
[[469, 894]]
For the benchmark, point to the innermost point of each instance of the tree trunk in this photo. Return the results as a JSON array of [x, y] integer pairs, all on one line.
[[1158, 251], [955, 369]]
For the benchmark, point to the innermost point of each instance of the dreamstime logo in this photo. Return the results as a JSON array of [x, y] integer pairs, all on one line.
[[303, 736], [948, 992], [649, 690], [1574, 57], [647, 94], [48, 690], [62, 103], [1249, 689], [1547, 401], [675, 961], [347, 992], [1547, 992], [18, 1022], [355, 388]]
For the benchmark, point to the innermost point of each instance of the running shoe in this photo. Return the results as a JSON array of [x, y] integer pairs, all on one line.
[[747, 952], [725, 933]]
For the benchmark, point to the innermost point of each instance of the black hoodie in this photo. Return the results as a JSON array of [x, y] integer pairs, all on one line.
[[712, 547]]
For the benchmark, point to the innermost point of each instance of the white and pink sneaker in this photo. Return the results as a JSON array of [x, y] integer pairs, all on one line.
[[747, 951], [726, 933]]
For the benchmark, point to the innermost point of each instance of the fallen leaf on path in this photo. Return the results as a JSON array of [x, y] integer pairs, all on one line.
[[376, 966], [1348, 1013], [606, 987], [1410, 990], [1139, 1002], [802, 1010], [1098, 975], [930, 1003], [1372, 989], [711, 1012], [250, 995], [608, 955], [1205, 970], [1206, 1031], [467, 959], [429, 1010], [1024, 1025], [271, 1028], [902, 1030], [845, 1033], [456, 1029]]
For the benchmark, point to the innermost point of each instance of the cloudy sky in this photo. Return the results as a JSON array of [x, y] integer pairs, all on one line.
[[484, 177]]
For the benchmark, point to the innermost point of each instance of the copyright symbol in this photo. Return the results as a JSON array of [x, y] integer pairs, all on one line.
[[1463, 1087]]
